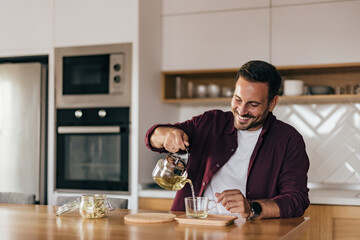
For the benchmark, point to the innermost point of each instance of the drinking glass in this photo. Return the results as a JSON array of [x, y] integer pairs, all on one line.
[[198, 207]]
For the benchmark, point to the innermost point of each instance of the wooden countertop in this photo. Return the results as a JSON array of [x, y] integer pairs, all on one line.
[[40, 222]]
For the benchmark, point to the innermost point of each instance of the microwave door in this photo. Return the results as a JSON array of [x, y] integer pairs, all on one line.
[[86, 75]]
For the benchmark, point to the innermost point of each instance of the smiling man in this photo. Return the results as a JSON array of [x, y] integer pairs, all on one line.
[[247, 160]]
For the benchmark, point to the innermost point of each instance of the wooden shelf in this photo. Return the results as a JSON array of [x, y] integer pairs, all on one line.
[[334, 75], [320, 99], [350, 98], [198, 100]]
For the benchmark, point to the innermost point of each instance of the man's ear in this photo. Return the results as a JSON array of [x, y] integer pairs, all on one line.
[[273, 103]]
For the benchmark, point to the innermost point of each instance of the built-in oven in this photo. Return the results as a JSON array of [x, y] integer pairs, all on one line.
[[93, 149], [89, 76]]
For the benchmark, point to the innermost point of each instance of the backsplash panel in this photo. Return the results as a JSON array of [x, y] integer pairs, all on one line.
[[331, 133], [332, 136]]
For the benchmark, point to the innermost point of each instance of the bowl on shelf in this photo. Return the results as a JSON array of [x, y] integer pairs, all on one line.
[[320, 90]]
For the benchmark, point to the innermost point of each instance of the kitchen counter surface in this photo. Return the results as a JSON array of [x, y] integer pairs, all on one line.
[[40, 222], [335, 196], [332, 196]]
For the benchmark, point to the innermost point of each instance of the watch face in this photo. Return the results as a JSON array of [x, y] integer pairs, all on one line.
[[255, 209]]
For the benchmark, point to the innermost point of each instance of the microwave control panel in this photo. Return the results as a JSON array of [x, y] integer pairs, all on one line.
[[116, 72]]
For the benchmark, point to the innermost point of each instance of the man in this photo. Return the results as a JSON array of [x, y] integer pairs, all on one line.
[[250, 162]]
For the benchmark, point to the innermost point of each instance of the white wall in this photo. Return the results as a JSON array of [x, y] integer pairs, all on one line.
[[94, 22], [208, 34], [84, 22], [151, 110], [184, 34], [26, 27], [36, 27], [210, 38], [316, 33], [332, 135], [295, 32]]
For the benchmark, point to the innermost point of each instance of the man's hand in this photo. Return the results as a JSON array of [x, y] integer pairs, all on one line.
[[172, 139], [235, 202]]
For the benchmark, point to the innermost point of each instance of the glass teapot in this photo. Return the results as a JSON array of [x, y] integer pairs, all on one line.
[[170, 173], [90, 206]]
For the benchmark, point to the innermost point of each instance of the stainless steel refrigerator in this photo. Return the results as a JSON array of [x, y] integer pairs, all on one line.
[[22, 128]]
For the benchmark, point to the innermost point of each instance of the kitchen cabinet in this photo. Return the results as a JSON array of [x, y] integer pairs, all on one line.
[[339, 222], [159, 204], [200, 6], [327, 221], [216, 39], [334, 75], [317, 33], [332, 222], [94, 22], [26, 27], [297, 2]]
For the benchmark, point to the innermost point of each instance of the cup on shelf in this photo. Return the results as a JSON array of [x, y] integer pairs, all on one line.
[[201, 91], [190, 89], [293, 87], [178, 87], [227, 91], [357, 89], [213, 90]]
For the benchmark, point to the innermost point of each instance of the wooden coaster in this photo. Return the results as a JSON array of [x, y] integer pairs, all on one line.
[[150, 217], [210, 220]]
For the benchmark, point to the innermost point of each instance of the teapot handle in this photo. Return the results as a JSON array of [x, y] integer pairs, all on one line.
[[183, 157]]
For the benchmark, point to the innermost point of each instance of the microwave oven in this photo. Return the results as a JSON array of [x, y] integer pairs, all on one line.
[[93, 76]]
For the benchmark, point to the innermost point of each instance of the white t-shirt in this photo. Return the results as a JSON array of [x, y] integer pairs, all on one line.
[[233, 175]]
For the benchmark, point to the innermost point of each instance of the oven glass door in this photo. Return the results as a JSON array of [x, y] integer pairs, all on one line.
[[86, 74], [93, 157]]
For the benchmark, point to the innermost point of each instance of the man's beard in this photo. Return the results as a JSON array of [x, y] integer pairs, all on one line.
[[254, 124]]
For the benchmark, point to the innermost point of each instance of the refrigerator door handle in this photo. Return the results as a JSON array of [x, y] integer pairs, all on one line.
[[88, 129]]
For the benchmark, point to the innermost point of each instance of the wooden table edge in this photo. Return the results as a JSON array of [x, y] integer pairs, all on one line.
[[295, 233]]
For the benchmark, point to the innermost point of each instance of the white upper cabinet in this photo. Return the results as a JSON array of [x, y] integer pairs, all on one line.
[[223, 39], [26, 26], [293, 2], [316, 33], [84, 22], [197, 6]]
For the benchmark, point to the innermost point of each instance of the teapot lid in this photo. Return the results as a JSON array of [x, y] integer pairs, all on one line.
[[175, 161], [178, 160], [68, 207]]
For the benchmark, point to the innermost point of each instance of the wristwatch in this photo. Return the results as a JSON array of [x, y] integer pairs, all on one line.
[[256, 209]]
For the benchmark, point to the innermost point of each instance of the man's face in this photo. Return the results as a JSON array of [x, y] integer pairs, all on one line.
[[250, 104]]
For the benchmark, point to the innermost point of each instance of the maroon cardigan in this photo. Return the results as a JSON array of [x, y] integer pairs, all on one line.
[[278, 166]]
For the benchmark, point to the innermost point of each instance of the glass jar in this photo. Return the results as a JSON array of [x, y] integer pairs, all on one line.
[[90, 206], [93, 206]]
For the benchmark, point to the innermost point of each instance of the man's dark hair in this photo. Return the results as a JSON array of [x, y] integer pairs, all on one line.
[[260, 71]]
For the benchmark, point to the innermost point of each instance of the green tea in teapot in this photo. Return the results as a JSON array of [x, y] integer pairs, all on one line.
[[172, 183]]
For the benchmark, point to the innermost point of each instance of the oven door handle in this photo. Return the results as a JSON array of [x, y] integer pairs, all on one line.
[[88, 129]]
